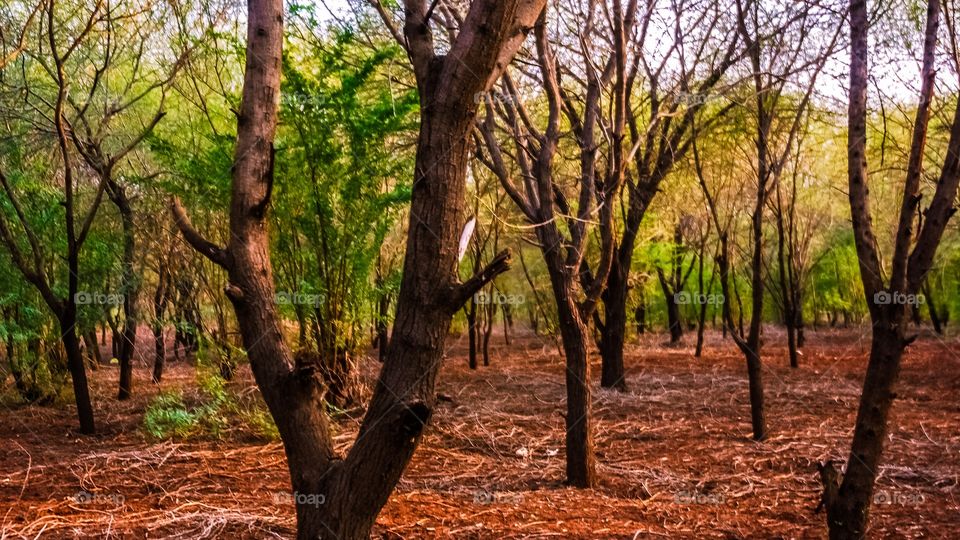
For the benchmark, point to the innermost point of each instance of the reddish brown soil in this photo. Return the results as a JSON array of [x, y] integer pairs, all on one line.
[[674, 453]]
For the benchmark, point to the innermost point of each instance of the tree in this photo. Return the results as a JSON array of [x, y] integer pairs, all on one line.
[[358, 485], [680, 81], [775, 51], [848, 506], [32, 260], [544, 204]]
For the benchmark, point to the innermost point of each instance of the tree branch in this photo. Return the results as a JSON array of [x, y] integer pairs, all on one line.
[[463, 292], [208, 249]]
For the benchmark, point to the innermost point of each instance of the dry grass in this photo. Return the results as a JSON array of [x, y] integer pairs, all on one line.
[[674, 454]]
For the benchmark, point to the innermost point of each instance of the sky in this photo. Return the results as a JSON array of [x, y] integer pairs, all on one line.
[[895, 79]]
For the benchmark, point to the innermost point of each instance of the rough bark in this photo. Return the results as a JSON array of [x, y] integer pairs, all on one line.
[[613, 330], [848, 512], [356, 487], [129, 287]]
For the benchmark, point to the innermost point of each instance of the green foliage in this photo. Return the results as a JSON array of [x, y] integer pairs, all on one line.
[[167, 416], [836, 278], [341, 178], [214, 411]]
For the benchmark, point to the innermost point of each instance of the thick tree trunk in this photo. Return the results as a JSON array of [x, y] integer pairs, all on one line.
[[489, 317], [848, 515], [848, 510], [613, 331], [355, 488], [581, 463]]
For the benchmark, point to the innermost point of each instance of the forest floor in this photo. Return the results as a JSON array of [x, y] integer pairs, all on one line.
[[674, 452]]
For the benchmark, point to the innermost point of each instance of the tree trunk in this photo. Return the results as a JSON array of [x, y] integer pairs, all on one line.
[[473, 331], [581, 463], [90, 339], [490, 313], [356, 487], [935, 319], [673, 310], [159, 353], [640, 314], [613, 331], [78, 372], [848, 511], [848, 515], [704, 292], [749, 347], [130, 289]]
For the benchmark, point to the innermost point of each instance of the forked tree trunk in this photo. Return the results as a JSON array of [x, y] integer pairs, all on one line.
[[355, 488], [848, 511]]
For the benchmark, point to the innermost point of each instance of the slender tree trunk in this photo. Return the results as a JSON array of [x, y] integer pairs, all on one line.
[[786, 291], [130, 289], [749, 347], [507, 323], [490, 313], [673, 310], [78, 372], [932, 308], [473, 331], [702, 316], [159, 353], [90, 339]]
